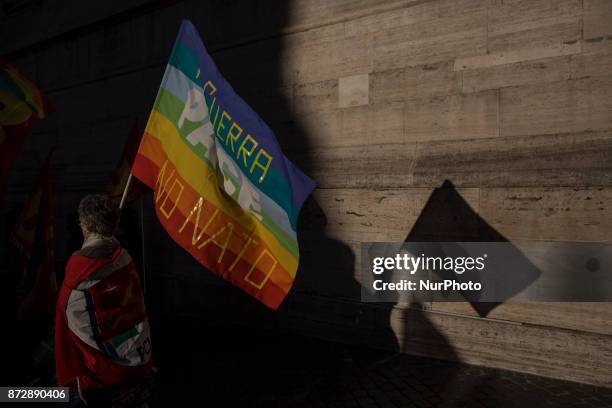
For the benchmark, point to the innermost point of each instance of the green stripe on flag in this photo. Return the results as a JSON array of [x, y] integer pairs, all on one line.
[[275, 185], [171, 107]]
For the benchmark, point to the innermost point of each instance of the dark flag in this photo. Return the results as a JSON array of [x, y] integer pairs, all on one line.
[[121, 173], [33, 238]]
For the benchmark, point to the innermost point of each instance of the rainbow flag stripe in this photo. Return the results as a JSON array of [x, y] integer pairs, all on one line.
[[224, 190], [22, 104]]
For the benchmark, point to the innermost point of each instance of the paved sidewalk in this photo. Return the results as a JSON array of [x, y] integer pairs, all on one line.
[[406, 381], [229, 366]]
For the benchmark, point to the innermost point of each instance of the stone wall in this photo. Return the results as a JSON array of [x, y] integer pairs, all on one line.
[[507, 101]]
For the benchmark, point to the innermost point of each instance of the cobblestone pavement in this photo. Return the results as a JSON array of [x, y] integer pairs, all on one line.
[[228, 366]]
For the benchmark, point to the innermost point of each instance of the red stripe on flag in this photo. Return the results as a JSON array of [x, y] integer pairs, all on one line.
[[274, 285]]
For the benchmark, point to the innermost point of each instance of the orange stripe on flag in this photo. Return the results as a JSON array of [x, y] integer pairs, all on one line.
[[213, 237]]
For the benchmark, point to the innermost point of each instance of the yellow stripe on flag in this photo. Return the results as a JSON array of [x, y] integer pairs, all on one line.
[[195, 172]]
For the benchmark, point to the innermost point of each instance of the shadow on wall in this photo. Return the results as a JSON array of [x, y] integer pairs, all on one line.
[[447, 217]]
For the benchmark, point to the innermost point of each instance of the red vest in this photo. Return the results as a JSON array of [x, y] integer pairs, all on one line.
[[102, 334]]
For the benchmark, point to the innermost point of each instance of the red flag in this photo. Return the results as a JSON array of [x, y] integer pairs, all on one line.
[[122, 171], [21, 105], [33, 237]]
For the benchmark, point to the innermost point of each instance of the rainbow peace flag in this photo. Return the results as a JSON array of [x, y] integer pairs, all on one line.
[[21, 105], [223, 188]]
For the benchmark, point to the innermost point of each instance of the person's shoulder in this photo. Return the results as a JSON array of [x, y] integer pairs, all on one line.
[[88, 260], [77, 268], [101, 251]]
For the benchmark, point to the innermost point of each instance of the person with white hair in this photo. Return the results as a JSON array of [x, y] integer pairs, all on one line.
[[102, 335]]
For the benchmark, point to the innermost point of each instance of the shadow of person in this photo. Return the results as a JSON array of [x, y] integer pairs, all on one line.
[[328, 276]]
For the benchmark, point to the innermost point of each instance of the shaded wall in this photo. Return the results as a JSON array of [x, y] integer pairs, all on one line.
[[380, 102]]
